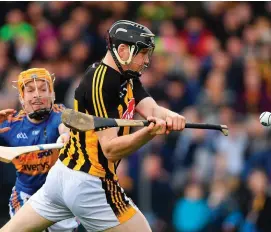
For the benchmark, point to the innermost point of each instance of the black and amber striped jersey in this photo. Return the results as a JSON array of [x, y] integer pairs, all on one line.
[[103, 92]]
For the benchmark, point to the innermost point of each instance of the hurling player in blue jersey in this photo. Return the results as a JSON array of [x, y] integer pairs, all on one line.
[[39, 122]]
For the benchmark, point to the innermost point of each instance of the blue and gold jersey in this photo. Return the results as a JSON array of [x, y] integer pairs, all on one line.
[[32, 168]]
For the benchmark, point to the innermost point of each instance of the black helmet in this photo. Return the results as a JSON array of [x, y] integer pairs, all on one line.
[[133, 34]]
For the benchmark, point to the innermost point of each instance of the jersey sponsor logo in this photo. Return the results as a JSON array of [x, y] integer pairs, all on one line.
[[22, 135], [34, 155], [35, 132], [45, 154], [35, 163], [36, 167], [129, 113], [27, 157]]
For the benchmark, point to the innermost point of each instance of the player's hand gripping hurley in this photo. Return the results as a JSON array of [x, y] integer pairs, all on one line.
[[83, 122]]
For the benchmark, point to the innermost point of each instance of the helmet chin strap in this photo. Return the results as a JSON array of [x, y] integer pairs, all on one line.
[[40, 114], [128, 74]]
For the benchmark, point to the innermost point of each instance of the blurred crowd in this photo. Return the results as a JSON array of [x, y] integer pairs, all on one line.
[[212, 63]]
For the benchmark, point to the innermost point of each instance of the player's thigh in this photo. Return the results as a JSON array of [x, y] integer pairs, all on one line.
[[26, 220], [137, 223], [100, 203]]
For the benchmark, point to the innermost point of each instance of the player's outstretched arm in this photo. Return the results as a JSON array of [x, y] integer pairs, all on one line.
[[116, 148], [148, 106], [6, 115]]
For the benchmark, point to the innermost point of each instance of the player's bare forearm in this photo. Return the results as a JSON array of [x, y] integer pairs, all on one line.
[[119, 147], [161, 112], [148, 107], [116, 148]]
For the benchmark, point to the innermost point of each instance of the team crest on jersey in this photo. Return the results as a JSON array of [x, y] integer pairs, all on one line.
[[124, 90], [129, 113], [21, 135]]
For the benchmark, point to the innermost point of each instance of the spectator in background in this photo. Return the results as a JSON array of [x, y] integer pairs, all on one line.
[[256, 208], [219, 61], [177, 94], [4, 62], [253, 98], [35, 13], [167, 41], [214, 94], [20, 35], [263, 26], [161, 194], [194, 36], [17, 27], [231, 148], [191, 213], [234, 48], [245, 13], [259, 159], [151, 83], [69, 33], [99, 45], [119, 9], [51, 50], [79, 54], [250, 38], [171, 47], [264, 65], [223, 207], [65, 73], [126, 182], [212, 46], [192, 155], [156, 11], [57, 12], [155, 84], [68, 98], [193, 78], [82, 18], [45, 31], [232, 26], [9, 92], [257, 137]]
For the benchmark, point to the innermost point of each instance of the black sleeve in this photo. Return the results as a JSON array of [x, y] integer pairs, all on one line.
[[139, 91], [102, 94]]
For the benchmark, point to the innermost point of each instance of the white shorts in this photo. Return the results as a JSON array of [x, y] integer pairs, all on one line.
[[19, 198], [98, 203]]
